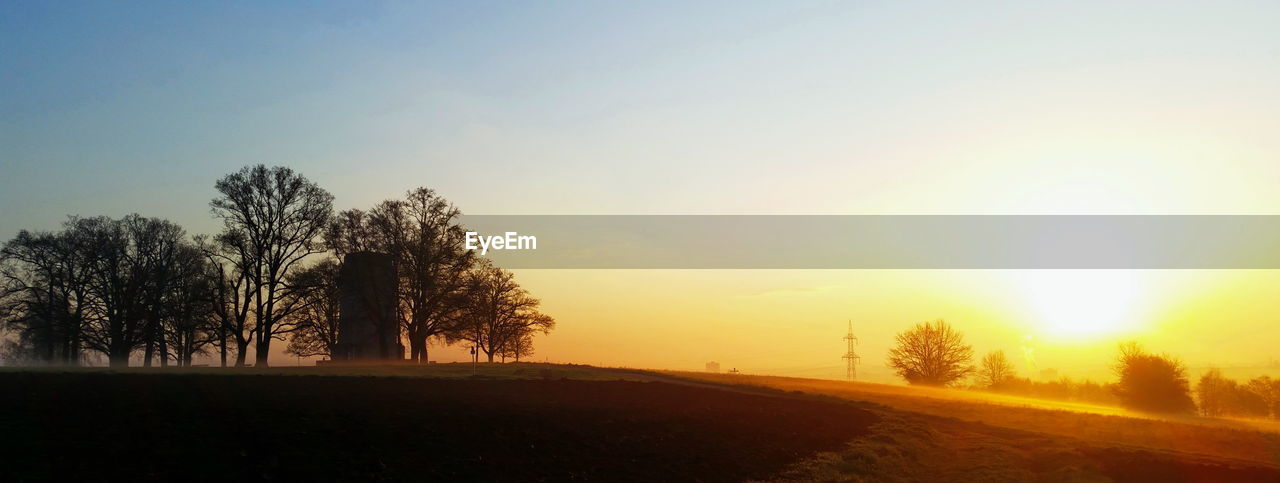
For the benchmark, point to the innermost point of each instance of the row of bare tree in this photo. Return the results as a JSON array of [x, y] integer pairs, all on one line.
[[119, 286], [1220, 396], [488, 310], [935, 354], [106, 285]]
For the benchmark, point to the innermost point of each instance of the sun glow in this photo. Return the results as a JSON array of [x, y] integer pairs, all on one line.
[[1084, 303]]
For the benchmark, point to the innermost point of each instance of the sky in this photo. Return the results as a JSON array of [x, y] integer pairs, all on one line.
[[713, 108]]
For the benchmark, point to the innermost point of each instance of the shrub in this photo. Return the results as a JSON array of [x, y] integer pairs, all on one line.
[[1150, 382]]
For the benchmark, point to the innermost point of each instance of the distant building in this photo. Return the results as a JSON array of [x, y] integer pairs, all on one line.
[[713, 366], [368, 325]]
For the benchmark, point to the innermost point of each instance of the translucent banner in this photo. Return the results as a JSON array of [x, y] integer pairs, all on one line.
[[877, 242]]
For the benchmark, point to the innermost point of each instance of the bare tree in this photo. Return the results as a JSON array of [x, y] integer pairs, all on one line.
[[161, 251], [122, 275], [231, 294], [995, 371], [931, 354], [517, 347], [498, 313], [316, 288], [1214, 392], [100, 284], [353, 231], [190, 319], [1220, 396], [44, 293], [422, 234], [274, 217], [1268, 390]]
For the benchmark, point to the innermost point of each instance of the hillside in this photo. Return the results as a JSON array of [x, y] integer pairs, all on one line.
[[523, 422]]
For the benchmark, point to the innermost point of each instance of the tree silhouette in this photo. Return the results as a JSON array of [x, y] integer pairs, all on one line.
[[1149, 382], [422, 234], [318, 301], [498, 314], [106, 285], [1268, 390], [129, 261], [231, 293], [138, 284], [1220, 396], [517, 347], [44, 295], [995, 371], [274, 218], [189, 324], [931, 354], [1214, 392]]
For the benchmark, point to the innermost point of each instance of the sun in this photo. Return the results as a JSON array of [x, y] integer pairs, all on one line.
[[1084, 303]]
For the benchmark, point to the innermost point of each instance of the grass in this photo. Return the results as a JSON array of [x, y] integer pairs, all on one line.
[[1228, 439], [907, 448], [710, 426]]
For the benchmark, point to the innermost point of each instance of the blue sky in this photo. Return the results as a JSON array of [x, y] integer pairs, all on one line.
[[598, 107], [641, 107]]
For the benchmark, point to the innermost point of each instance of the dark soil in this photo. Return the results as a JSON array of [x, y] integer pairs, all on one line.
[[141, 427]]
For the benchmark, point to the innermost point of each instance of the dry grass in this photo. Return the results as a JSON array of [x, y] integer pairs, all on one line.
[[1227, 439], [903, 447], [920, 434]]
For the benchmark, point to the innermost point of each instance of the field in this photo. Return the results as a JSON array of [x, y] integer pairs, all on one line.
[[93, 425], [562, 422], [1007, 437]]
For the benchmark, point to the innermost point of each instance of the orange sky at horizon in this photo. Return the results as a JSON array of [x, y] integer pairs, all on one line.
[[790, 322], [727, 108]]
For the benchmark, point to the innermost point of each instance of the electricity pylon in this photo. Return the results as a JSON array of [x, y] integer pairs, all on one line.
[[851, 357]]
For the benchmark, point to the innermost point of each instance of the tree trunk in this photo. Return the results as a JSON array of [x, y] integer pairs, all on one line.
[[241, 351], [413, 351], [222, 347], [417, 350], [264, 350], [119, 357], [71, 353], [266, 320], [163, 346], [149, 350]]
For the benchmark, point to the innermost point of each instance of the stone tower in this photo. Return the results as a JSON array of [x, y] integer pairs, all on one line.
[[368, 326]]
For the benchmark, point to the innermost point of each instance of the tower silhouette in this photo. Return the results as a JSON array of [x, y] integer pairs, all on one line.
[[850, 356]]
